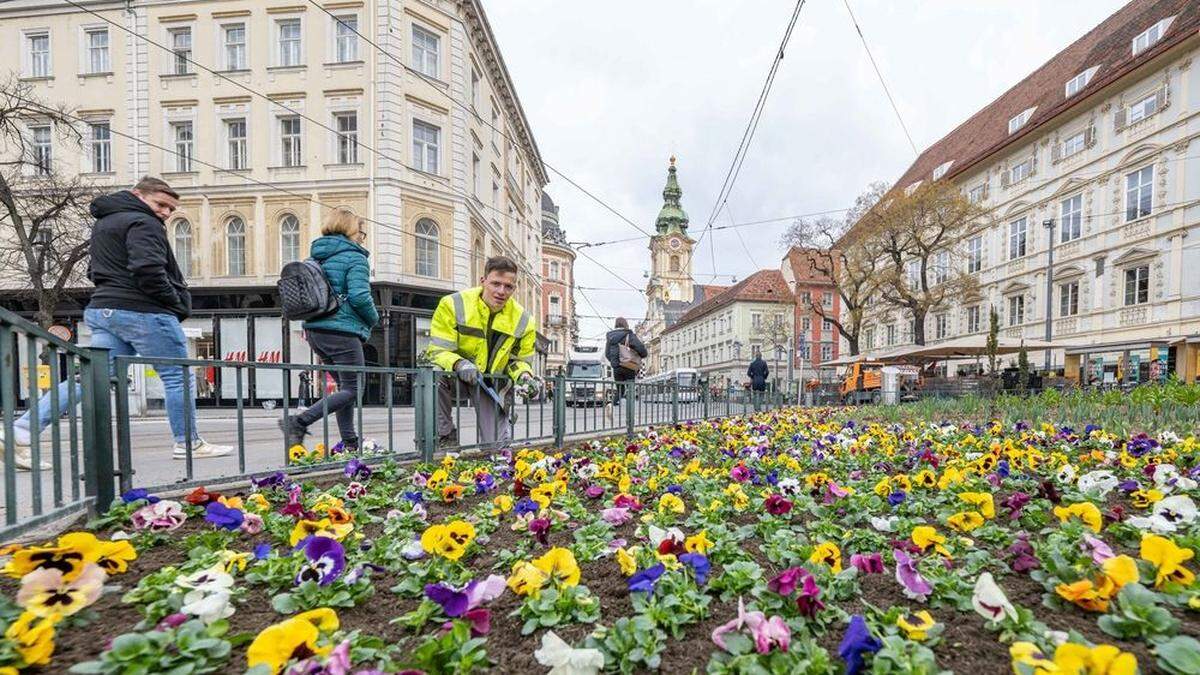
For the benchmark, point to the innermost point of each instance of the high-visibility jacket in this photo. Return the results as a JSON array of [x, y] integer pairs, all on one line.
[[461, 330]]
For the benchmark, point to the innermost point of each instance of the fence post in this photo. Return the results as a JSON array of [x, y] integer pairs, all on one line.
[[425, 413], [630, 408], [674, 401], [97, 430], [704, 402], [125, 470], [560, 408]]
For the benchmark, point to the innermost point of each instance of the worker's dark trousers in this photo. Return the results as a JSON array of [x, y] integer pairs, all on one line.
[[492, 426]]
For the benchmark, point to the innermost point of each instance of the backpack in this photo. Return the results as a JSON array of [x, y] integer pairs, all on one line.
[[627, 357], [305, 292]]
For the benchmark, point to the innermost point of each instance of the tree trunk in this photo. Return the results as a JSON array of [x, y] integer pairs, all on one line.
[[44, 316], [852, 343], [919, 326]]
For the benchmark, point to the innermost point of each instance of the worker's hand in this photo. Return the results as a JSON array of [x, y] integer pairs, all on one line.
[[467, 371], [524, 378]]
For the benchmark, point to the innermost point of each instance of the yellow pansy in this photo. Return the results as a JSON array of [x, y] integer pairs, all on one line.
[[33, 637], [292, 639], [297, 452], [46, 592], [965, 521], [502, 504], [916, 626], [526, 579], [1119, 571], [257, 502], [1085, 594], [671, 503], [627, 561], [1071, 658], [1168, 560], [925, 536], [112, 556], [449, 541], [320, 528], [559, 566], [982, 501], [926, 479], [697, 543], [1144, 498], [79, 549], [1086, 512], [1028, 654], [232, 561], [827, 553]]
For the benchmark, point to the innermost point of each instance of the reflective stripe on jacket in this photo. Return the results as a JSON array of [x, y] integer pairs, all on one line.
[[460, 331]]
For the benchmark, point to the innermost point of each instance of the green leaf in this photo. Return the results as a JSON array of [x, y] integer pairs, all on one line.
[[129, 645], [284, 603], [1180, 655]]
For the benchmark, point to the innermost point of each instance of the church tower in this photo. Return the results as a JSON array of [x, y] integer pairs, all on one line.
[[670, 253]]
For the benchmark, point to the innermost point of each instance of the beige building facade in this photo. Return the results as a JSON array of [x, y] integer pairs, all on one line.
[[1097, 153], [402, 110], [559, 323], [720, 336]]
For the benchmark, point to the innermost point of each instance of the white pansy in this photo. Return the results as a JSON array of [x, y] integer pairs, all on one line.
[[1168, 479], [563, 659], [1097, 483], [885, 523], [1168, 515], [1066, 474], [989, 599], [208, 607]]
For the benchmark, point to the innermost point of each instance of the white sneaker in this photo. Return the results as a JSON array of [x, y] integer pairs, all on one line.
[[24, 459], [202, 449]]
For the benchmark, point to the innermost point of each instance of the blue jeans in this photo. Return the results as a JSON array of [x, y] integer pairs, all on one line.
[[125, 333]]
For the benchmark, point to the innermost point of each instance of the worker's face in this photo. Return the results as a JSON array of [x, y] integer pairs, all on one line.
[[162, 204], [498, 287]]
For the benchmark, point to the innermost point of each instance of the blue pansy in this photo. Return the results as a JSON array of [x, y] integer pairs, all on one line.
[[857, 642], [645, 580]]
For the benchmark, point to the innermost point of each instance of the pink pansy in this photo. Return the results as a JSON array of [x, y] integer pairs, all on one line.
[[808, 601], [786, 581], [739, 473], [252, 523], [766, 632], [915, 585], [1100, 550], [617, 515], [869, 563], [355, 490], [159, 517], [834, 492]]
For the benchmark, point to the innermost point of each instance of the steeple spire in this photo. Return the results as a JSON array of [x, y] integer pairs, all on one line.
[[671, 218]]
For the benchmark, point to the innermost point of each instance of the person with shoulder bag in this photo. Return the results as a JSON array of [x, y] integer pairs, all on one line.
[[624, 352], [337, 336]]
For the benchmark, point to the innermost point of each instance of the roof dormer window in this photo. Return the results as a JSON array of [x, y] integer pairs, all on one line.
[[942, 169], [1077, 83], [1020, 120], [912, 188], [1150, 37]]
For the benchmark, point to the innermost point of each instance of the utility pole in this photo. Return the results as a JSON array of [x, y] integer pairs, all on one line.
[[1049, 225]]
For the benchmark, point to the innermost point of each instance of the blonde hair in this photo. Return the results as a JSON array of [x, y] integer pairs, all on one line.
[[342, 221]]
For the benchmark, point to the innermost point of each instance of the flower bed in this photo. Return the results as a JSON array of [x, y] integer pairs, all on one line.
[[795, 541]]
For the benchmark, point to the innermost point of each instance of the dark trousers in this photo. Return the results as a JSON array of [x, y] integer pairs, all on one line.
[[338, 349], [624, 378]]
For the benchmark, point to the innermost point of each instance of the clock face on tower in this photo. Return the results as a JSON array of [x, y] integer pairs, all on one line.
[[674, 243]]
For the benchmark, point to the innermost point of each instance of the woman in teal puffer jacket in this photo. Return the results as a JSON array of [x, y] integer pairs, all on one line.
[[338, 338]]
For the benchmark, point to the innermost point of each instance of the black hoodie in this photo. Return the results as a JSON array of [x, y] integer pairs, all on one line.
[[132, 264], [612, 351]]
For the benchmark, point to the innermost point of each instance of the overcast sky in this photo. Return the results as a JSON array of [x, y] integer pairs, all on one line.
[[613, 89]]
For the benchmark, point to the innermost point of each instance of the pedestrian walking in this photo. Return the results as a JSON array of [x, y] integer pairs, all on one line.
[[624, 351], [337, 338], [758, 374], [139, 300], [484, 336]]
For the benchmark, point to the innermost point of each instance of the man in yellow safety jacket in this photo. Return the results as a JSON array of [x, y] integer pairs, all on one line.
[[482, 331]]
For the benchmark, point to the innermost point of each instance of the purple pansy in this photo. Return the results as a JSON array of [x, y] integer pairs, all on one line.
[[856, 643], [139, 493], [808, 600], [222, 516], [867, 563], [270, 480], [525, 505], [897, 498], [645, 580], [456, 602], [326, 560], [699, 564], [786, 581], [915, 585], [356, 469]]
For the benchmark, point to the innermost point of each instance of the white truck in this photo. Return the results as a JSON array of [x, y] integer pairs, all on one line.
[[589, 376]]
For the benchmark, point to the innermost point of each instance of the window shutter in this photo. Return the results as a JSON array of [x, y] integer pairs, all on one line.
[[985, 189], [1033, 164], [1005, 178], [1163, 96], [1089, 136], [1056, 152], [1119, 119]]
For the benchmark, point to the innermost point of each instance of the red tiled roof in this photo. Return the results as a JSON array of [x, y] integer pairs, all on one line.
[[762, 286], [804, 263], [710, 291], [1108, 45]]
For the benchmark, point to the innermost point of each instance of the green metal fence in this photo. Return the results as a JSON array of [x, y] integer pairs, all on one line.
[[109, 449]]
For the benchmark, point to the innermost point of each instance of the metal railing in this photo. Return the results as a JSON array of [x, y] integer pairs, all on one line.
[[107, 450], [68, 470]]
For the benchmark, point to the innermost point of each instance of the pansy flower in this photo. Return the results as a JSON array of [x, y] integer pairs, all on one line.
[[1085, 512], [916, 626], [526, 578], [222, 516], [325, 560], [914, 585], [320, 528], [46, 591], [69, 557], [1168, 515], [1022, 554], [356, 469], [827, 553], [965, 521], [645, 580], [161, 516], [292, 639], [32, 637], [449, 541], [540, 529], [698, 543], [670, 503], [808, 597], [201, 497], [767, 633], [856, 644], [989, 600], [868, 563], [785, 582], [699, 564], [777, 504], [456, 602], [1168, 560], [559, 566], [138, 495], [562, 659], [925, 537]]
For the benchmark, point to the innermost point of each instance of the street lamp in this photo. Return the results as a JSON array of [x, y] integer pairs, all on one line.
[[1049, 225], [41, 242]]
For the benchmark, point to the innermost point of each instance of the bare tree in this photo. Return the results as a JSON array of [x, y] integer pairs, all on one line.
[[829, 251], [44, 220], [917, 236]]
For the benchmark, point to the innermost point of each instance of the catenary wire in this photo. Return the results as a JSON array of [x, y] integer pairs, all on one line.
[[879, 74]]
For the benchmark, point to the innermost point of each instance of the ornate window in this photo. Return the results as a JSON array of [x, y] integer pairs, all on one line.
[[427, 247], [289, 239], [235, 247], [183, 246]]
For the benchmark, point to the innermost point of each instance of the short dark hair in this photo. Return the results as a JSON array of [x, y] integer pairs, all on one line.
[[621, 322], [150, 185], [500, 263]]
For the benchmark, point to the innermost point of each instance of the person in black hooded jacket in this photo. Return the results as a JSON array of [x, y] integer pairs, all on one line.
[[140, 297], [612, 351]]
